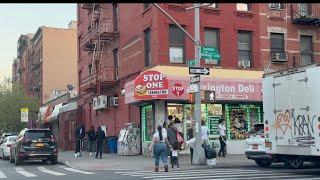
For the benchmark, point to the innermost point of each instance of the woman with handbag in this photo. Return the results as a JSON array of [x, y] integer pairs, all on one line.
[[159, 145]]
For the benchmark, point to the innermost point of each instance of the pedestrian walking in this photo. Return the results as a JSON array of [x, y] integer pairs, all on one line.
[[222, 138], [174, 159], [100, 136], [159, 146], [92, 138], [80, 133], [204, 132]]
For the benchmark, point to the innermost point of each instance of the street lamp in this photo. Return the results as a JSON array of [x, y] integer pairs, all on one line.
[[198, 153]]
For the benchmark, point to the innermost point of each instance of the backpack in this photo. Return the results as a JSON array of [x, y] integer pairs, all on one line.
[[179, 138]]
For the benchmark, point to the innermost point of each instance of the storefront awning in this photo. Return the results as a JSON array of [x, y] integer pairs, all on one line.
[[170, 83], [69, 107], [55, 112]]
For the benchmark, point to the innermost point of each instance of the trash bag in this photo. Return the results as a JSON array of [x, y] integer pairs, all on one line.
[[209, 152]]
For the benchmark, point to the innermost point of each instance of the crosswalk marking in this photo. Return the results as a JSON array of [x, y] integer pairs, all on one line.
[[2, 175], [217, 174], [21, 171], [45, 170], [76, 170]]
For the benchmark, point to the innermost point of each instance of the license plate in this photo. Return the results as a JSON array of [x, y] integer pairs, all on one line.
[[268, 144], [39, 145], [254, 146]]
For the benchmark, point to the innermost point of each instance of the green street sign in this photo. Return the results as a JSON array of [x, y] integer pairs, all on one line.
[[192, 63], [209, 53]]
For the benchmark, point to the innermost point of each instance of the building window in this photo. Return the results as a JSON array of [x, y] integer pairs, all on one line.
[[245, 47], [211, 39], [115, 10], [275, 6], [306, 50], [116, 63], [90, 68], [176, 44], [277, 42], [146, 5], [304, 9], [147, 47], [243, 7]]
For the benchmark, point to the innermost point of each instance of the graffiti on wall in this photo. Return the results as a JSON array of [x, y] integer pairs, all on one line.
[[130, 143], [283, 122]]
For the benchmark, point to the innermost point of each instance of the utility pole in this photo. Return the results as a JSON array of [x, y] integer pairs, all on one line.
[[198, 152]]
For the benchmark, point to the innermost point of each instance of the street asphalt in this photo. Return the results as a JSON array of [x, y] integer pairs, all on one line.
[[37, 171]]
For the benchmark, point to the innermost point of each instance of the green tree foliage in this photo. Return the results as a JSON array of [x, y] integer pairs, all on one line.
[[12, 99]]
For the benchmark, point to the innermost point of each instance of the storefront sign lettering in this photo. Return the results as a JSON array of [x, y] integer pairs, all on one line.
[[150, 85], [177, 89]]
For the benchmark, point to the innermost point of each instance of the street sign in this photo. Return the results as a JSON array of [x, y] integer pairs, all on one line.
[[193, 88], [194, 79], [209, 53], [191, 98], [199, 70], [192, 63], [24, 115], [210, 96]]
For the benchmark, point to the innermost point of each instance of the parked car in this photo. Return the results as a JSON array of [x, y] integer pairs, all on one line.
[[6, 145], [4, 135], [255, 146], [34, 144]]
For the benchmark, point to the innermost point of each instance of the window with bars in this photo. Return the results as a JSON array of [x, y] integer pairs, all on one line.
[[245, 46], [211, 39], [242, 7], [306, 50], [90, 68], [277, 43], [147, 47], [176, 44]]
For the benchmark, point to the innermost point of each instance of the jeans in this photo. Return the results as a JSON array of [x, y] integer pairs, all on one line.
[[99, 149], [160, 152], [91, 146], [175, 161], [77, 150], [222, 146]]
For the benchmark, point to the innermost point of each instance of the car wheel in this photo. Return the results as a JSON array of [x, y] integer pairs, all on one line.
[[294, 163], [44, 161], [263, 162], [54, 160]]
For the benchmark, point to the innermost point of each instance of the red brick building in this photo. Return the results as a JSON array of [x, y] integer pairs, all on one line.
[[117, 42]]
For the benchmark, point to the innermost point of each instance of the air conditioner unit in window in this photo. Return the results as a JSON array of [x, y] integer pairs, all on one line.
[[244, 64], [114, 101], [274, 5], [95, 104], [103, 102], [278, 57]]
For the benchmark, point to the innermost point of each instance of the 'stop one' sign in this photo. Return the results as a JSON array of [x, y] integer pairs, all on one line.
[[151, 85]]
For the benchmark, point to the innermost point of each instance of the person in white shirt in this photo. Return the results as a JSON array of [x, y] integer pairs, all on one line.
[[160, 151], [204, 132], [222, 138]]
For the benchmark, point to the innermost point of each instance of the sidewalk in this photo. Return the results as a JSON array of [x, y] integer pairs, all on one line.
[[140, 163]]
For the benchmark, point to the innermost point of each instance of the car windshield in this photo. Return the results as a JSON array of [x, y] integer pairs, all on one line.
[[12, 139], [36, 134], [257, 129]]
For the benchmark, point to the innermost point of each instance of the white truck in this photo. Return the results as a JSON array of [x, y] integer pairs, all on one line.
[[291, 108]]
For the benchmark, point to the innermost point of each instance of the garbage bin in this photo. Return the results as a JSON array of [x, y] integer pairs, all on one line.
[[105, 146], [112, 144]]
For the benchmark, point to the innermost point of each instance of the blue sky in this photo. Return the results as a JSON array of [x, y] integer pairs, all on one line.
[[17, 19]]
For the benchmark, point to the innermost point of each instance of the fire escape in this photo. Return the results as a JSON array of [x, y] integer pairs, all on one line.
[[306, 14], [101, 34]]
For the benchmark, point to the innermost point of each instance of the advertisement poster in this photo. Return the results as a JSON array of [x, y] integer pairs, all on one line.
[[213, 126]]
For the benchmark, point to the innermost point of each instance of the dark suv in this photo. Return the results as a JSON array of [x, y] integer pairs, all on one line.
[[34, 144]]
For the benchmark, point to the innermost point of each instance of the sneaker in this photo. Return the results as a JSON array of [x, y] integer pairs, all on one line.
[[75, 155], [178, 169], [100, 157], [90, 154]]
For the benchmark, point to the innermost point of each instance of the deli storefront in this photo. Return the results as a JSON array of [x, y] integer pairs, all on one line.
[[161, 91]]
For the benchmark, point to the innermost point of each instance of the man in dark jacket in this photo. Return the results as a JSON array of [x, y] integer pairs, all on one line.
[[92, 138], [100, 138], [80, 133]]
